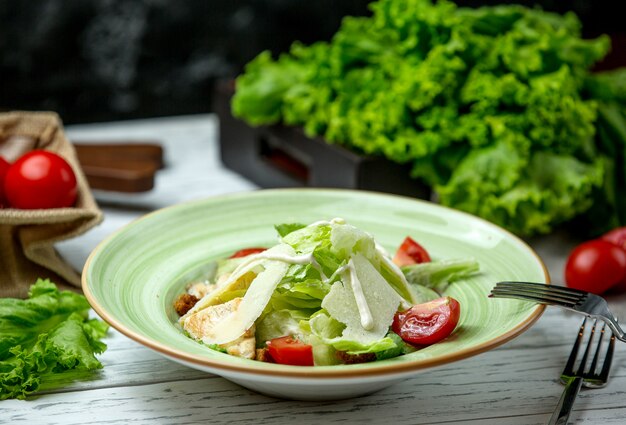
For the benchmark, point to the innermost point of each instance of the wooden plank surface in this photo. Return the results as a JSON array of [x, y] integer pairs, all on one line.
[[515, 384]]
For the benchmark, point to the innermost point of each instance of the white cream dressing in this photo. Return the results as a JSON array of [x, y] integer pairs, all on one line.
[[336, 220], [367, 320]]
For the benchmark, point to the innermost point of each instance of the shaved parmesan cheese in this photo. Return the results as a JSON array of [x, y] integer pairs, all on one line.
[[239, 279], [382, 303]]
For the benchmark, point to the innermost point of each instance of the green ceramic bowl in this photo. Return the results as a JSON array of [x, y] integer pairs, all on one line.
[[132, 278]]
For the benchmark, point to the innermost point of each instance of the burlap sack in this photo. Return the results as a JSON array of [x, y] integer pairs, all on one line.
[[27, 237]]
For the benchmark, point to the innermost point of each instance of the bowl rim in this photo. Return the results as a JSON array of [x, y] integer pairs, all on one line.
[[372, 369]]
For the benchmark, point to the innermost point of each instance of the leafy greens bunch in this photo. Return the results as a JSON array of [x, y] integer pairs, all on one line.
[[44, 335], [488, 105]]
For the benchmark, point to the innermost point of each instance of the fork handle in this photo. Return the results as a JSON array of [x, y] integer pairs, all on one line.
[[564, 407]]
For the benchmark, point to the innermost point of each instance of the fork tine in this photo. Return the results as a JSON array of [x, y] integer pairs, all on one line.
[[594, 362], [538, 292], [583, 361], [534, 296], [604, 373], [555, 288], [560, 291], [569, 366]]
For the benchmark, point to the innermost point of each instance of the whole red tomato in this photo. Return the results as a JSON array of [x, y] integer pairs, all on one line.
[[4, 167], [595, 266], [40, 179]]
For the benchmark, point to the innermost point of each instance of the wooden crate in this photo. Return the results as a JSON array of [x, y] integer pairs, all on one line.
[[281, 156]]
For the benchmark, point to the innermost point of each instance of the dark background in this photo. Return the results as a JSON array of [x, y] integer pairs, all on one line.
[[103, 60]]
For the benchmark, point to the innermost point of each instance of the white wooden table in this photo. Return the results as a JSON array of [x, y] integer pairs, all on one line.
[[515, 384]]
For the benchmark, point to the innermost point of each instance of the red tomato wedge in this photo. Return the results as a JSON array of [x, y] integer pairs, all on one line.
[[247, 251], [410, 252], [291, 351], [427, 323]]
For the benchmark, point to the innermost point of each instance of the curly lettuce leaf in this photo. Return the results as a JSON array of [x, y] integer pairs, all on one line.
[[46, 334], [432, 85], [528, 195]]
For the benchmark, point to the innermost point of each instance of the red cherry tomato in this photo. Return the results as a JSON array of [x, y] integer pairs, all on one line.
[[427, 323], [616, 236], [247, 251], [4, 167], [291, 351], [595, 266], [40, 179], [410, 252]]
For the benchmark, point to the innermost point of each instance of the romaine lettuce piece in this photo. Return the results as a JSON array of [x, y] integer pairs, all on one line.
[[286, 228], [437, 275], [280, 323]]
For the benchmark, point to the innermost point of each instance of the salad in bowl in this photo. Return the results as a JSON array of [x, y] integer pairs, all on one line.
[[325, 294]]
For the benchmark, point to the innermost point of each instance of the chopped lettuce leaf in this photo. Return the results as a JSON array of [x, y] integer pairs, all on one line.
[[400, 348], [286, 228], [437, 275], [424, 294], [306, 239], [329, 331], [323, 354], [325, 327], [347, 239], [47, 333], [277, 324]]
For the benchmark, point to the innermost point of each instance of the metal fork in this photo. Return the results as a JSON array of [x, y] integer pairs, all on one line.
[[575, 378], [568, 298]]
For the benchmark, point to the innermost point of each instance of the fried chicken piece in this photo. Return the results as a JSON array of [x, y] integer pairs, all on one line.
[[201, 324], [263, 355], [184, 303]]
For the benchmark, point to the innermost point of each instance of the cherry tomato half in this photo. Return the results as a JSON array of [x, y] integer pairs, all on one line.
[[40, 179], [595, 266], [410, 252], [291, 351], [4, 167], [247, 251], [427, 323]]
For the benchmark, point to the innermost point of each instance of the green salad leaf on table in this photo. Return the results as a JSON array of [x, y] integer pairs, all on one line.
[[44, 335], [496, 108]]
